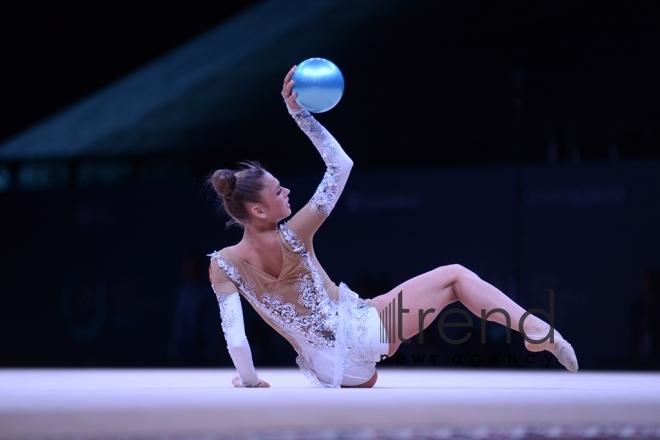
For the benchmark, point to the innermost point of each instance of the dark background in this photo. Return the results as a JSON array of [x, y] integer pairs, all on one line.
[[519, 139], [587, 70]]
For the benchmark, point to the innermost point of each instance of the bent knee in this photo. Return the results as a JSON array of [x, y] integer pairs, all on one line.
[[456, 272]]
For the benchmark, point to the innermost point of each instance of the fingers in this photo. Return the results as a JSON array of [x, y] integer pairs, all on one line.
[[236, 381], [290, 98], [287, 86], [288, 83], [287, 89], [289, 74]]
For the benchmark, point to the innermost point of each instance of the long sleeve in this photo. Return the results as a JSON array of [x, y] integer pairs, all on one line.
[[338, 164], [231, 315]]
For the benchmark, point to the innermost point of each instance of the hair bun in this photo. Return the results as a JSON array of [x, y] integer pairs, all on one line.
[[224, 182]]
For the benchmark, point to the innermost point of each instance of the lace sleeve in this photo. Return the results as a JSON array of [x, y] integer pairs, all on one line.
[[231, 315], [338, 164]]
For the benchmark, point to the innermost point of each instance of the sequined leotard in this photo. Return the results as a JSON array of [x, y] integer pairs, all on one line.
[[336, 334]]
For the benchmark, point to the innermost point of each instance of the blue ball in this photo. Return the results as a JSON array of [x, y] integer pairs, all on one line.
[[319, 85]]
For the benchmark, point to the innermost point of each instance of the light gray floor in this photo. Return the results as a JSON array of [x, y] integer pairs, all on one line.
[[101, 403]]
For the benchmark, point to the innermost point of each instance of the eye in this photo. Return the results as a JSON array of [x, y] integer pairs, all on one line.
[[279, 191]]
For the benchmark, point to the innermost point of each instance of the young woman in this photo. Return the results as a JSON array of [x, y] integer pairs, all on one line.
[[338, 336]]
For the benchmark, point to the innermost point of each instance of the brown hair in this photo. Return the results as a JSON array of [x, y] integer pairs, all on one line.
[[237, 188]]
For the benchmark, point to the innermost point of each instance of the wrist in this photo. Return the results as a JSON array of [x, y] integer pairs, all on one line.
[[294, 111]]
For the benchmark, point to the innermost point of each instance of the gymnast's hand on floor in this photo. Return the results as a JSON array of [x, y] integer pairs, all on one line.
[[236, 381], [290, 98]]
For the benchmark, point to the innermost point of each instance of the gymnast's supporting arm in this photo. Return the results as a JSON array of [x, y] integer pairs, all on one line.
[[231, 314]]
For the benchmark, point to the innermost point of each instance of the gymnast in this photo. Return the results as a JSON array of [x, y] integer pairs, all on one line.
[[338, 336]]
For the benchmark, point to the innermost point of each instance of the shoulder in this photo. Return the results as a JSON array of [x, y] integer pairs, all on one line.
[[219, 259], [222, 253], [222, 272]]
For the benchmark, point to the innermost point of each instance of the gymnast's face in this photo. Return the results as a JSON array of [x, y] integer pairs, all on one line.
[[275, 198]]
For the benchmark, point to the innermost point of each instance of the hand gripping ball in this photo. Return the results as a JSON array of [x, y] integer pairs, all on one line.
[[319, 85]]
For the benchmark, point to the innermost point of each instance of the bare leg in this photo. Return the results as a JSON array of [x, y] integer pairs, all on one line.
[[426, 295]]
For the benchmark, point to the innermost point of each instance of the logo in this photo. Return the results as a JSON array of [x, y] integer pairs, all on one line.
[[395, 313]]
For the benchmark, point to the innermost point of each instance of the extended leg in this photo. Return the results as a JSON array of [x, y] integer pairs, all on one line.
[[426, 295]]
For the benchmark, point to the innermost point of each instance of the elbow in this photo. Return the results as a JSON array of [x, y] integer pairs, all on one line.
[[346, 163], [349, 163]]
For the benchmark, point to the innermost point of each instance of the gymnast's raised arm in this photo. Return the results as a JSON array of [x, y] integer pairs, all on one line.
[[338, 166]]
